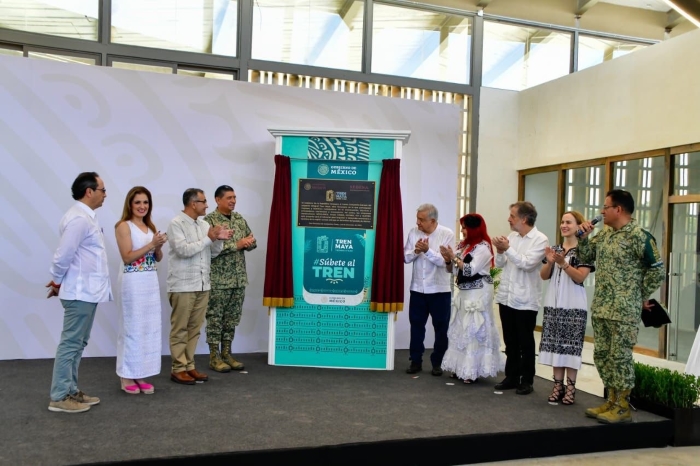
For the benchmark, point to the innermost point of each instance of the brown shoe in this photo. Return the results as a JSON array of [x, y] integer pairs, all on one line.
[[182, 377], [198, 376]]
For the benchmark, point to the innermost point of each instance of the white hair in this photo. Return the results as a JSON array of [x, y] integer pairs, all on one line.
[[431, 209]]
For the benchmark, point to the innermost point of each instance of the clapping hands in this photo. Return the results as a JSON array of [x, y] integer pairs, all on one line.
[[421, 246], [501, 242], [219, 233], [554, 255], [447, 253], [245, 243], [159, 239]]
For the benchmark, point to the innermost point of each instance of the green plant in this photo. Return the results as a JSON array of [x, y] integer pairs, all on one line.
[[666, 387], [495, 273]]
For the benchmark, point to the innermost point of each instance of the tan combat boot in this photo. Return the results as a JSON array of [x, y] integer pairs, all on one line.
[[594, 412], [215, 362], [620, 412], [228, 358]]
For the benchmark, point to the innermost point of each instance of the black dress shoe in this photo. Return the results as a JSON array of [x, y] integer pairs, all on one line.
[[506, 384], [437, 371], [414, 368], [524, 389]]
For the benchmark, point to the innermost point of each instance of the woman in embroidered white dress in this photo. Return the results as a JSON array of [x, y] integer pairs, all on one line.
[[473, 349], [139, 341], [565, 310]]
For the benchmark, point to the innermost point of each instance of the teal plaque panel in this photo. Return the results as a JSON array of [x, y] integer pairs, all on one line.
[[330, 324]]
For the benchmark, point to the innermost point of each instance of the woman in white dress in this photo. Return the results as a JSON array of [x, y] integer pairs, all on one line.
[[473, 348], [140, 246], [693, 365], [565, 310]]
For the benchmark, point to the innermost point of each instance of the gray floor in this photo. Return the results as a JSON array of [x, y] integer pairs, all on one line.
[[269, 407]]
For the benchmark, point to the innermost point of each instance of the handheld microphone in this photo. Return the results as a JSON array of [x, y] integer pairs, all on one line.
[[597, 219]]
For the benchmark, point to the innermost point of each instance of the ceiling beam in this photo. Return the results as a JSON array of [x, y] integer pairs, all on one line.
[[584, 5], [673, 19], [688, 8]]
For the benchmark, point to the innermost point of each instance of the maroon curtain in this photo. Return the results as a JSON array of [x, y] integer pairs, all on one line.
[[388, 270], [279, 289]]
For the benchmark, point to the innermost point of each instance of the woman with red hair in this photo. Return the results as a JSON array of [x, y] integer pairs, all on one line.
[[473, 341]]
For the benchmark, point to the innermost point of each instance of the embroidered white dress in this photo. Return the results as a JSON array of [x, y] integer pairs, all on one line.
[[139, 341], [693, 364], [564, 318], [473, 341]]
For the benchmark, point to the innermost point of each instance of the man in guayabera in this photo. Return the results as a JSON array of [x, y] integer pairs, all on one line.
[[228, 281], [628, 270]]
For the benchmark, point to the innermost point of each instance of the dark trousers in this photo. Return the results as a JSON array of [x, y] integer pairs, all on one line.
[[437, 306], [519, 337]]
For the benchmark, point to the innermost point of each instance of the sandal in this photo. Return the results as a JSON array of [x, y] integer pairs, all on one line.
[[470, 381], [557, 392], [570, 396]]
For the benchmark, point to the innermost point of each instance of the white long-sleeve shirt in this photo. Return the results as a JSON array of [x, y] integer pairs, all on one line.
[[80, 262], [521, 286], [429, 268], [189, 255]]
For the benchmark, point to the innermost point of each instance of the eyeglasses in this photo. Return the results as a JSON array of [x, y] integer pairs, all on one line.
[[204, 201], [606, 207], [104, 190]]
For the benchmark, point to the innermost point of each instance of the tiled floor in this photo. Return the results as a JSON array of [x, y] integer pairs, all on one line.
[[669, 456]]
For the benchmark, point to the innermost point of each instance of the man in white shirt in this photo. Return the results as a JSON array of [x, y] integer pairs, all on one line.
[[80, 278], [430, 286], [192, 245], [518, 297]]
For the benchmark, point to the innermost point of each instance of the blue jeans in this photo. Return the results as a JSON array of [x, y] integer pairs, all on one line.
[[438, 307], [77, 324]]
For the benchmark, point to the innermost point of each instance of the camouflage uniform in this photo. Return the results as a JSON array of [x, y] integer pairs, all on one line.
[[228, 280], [628, 270]]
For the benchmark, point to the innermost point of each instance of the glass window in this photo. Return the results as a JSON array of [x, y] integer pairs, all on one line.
[[205, 73], [164, 69], [585, 193], [75, 59], [325, 33], [206, 26], [595, 50], [68, 18], [538, 190], [686, 174], [644, 179], [518, 57], [421, 44]]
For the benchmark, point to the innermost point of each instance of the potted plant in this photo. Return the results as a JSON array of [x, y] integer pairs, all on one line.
[[672, 395]]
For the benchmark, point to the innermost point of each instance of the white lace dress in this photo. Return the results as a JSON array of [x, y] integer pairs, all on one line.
[[473, 340], [139, 341], [693, 364]]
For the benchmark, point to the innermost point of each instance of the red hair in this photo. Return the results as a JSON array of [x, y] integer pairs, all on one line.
[[476, 233]]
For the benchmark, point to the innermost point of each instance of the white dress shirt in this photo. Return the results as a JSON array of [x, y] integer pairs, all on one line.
[[80, 262], [429, 272], [521, 285], [189, 255]]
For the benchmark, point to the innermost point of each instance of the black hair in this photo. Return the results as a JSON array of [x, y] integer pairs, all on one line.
[[221, 190], [190, 195], [622, 198], [81, 184]]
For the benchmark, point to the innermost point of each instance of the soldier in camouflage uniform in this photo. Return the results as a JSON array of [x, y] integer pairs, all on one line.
[[628, 270], [228, 281]]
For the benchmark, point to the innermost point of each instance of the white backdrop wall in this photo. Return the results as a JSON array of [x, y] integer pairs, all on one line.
[[169, 133]]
